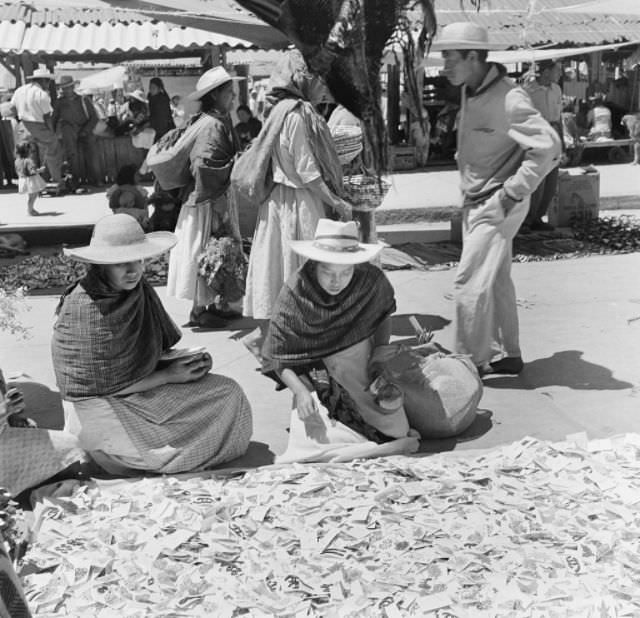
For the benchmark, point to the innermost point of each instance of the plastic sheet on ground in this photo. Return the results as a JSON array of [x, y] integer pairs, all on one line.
[[529, 529]]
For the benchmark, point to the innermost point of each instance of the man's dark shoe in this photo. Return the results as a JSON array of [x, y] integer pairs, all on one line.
[[511, 365], [541, 226]]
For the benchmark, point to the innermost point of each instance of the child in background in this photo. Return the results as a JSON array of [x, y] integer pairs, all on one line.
[[29, 179], [126, 196]]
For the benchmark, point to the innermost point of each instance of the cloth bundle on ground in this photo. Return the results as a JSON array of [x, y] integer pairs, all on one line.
[[105, 341], [168, 158], [441, 391]]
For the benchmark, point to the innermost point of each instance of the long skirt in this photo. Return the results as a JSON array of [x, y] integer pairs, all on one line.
[[170, 429], [193, 230], [289, 214], [29, 456]]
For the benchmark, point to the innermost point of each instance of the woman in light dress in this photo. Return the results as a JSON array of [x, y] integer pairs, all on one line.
[[295, 154]]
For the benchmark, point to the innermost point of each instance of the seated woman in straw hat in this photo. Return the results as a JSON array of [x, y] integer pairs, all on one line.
[[326, 322], [135, 406]]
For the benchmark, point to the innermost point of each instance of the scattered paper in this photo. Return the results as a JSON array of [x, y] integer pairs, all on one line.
[[529, 529]]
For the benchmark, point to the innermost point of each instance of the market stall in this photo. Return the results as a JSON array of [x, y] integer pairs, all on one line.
[[52, 32]]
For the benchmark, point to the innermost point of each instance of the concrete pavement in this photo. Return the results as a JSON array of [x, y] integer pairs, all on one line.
[[425, 196], [580, 326]]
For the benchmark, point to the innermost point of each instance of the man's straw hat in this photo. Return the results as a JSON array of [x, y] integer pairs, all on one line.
[[464, 35], [41, 74]]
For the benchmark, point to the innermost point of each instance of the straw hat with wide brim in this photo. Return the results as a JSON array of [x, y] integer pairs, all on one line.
[[336, 242], [138, 95], [41, 74], [118, 239], [210, 80], [464, 35]]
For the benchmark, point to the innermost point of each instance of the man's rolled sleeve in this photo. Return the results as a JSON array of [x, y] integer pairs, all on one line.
[[538, 139]]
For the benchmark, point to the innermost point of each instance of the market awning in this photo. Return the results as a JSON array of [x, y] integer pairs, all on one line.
[[86, 27], [219, 16], [611, 7], [529, 23], [106, 37], [515, 56]]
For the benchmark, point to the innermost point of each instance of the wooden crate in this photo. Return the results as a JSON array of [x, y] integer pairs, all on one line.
[[402, 158]]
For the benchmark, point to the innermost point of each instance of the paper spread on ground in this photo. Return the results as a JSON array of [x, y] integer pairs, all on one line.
[[530, 529]]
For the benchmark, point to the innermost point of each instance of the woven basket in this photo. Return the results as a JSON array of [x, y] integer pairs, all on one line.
[[348, 142], [365, 192]]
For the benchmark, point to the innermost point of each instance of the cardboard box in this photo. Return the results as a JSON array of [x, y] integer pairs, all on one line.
[[402, 158], [578, 195]]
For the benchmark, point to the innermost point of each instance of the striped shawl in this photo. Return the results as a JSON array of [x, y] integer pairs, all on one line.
[[104, 341], [308, 324]]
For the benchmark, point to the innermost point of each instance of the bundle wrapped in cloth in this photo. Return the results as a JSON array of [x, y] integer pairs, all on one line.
[[441, 391], [169, 158]]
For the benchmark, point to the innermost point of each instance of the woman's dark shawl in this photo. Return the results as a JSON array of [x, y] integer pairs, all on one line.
[[308, 324], [104, 341], [160, 116], [212, 158]]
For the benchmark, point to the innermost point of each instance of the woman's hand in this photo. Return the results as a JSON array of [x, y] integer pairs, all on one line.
[[344, 208], [305, 404], [188, 369], [15, 402]]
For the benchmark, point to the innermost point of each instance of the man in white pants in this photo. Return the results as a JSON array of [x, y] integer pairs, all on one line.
[[32, 105], [505, 148]]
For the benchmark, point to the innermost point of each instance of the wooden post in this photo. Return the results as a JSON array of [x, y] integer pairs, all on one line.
[[242, 70], [393, 102]]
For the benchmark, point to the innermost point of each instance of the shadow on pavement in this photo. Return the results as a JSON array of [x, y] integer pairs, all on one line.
[[565, 368], [43, 405], [258, 454], [481, 425]]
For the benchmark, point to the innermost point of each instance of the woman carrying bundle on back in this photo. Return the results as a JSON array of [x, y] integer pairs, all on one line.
[[206, 209]]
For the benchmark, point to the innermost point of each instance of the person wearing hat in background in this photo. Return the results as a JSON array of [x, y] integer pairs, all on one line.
[[32, 104], [206, 209], [137, 119], [74, 119], [326, 322], [136, 405], [546, 96], [505, 149]]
